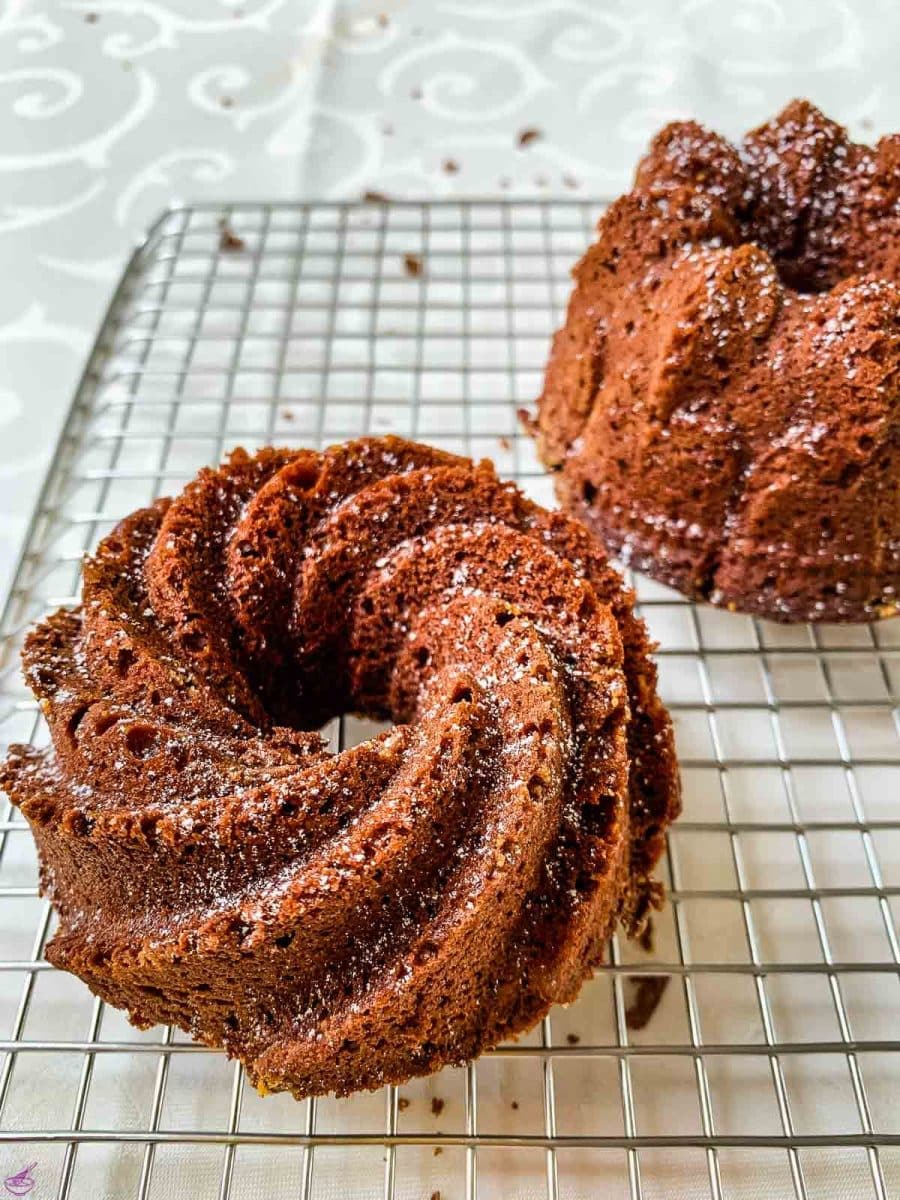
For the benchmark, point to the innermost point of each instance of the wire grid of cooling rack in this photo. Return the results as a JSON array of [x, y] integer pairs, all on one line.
[[771, 1064]]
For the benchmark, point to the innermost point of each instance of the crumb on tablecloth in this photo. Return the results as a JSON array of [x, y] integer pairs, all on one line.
[[229, 241], [527, 136]]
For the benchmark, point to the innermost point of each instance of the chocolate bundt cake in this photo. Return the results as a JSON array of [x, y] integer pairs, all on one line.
[[723, 402], [342, 920]]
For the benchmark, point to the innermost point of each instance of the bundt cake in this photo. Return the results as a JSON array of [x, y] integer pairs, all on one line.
[[342, 920], [722, 404]]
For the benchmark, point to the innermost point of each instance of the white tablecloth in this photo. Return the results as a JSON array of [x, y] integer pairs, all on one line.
[[113, 108]]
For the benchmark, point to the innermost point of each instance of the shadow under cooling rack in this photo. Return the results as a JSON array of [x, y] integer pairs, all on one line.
[[771, 1061]]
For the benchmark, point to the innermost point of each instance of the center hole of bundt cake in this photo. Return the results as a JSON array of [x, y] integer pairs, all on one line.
[[351, 729], [800, 278]]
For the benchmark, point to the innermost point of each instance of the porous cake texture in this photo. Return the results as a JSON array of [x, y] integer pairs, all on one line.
[[342, 920], [722, 404]]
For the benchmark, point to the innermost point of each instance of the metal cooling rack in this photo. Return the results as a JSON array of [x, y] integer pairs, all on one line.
[[772, 1063]]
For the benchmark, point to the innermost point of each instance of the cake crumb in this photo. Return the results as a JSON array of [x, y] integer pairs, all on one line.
[[526, 420], [515, 1104], [229, 241], [287, 414], [437, 1150], [412, 265], [371, 197], [573, 1039], [504, 442], [403, 1104], [436, 1195], [437, 1106], [645, 941], [648, 991], [451, 166], [527, 136]]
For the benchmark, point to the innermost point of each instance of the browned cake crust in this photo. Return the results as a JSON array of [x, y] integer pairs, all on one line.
[[723, 401], [338, 921]]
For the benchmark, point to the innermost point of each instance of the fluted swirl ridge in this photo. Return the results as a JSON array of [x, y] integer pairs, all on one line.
[[341, 920]]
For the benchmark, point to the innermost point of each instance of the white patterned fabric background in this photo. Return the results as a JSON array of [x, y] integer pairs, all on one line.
[[113, 108]]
